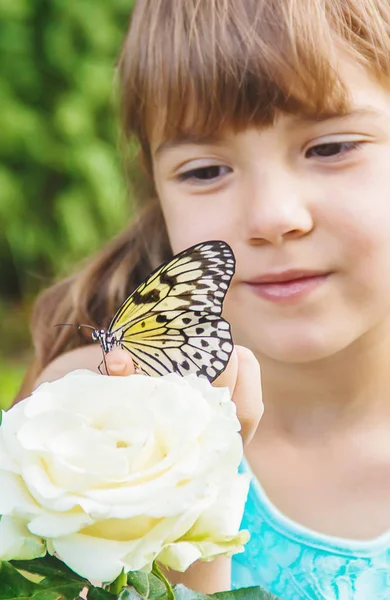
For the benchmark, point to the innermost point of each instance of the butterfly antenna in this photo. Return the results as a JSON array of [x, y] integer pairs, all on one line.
[[74, 325]]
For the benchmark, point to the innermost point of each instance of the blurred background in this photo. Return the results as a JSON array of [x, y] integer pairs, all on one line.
[[62, 192]]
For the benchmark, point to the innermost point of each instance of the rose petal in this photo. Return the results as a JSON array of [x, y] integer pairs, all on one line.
[[7, 462], [93, 558], [179, 556], [17, 543], [223, 518], [36, 433], [15, 498], [51, 525]]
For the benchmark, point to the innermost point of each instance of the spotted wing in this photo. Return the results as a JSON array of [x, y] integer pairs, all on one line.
[[176, 308], [182, 342]]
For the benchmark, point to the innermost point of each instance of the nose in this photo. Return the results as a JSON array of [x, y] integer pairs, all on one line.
[[277, 210]]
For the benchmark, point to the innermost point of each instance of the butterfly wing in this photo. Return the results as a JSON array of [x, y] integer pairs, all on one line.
[[188, 342], [172, 321]]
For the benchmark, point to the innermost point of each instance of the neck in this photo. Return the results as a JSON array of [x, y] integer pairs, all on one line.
[[346, 390]]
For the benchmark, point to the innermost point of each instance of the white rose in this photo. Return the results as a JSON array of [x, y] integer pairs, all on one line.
[[111, 473]]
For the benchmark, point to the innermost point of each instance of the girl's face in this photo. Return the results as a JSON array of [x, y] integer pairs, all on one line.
[[305, 205]]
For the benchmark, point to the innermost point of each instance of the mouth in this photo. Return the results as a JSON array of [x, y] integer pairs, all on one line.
[[287, 285]]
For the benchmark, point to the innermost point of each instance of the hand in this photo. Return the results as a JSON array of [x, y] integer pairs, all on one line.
[[241, 376]]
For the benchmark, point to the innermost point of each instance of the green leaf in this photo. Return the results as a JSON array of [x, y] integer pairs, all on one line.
[[116, 586], [146, 585], [140, 582], [130, 594], [13, 586], [252, 593], [95, 593], [183, 593], [49, 566], [13, 583]]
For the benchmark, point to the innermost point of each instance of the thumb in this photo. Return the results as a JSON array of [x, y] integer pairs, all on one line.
[[119, 362], [247, 393]]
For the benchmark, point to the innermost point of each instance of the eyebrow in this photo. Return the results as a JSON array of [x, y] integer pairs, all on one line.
[[363, 111], [182, 140]]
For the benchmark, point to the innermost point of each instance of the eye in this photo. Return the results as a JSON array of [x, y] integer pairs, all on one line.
[[332, 149], [206, 174]]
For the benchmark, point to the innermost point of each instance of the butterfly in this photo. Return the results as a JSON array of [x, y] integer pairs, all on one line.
[[172, 322]]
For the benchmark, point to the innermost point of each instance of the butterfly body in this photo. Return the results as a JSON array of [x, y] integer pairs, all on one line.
[[106, 340], [172, 322]]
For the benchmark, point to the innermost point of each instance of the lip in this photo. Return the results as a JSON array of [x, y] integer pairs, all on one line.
[[287, 285]]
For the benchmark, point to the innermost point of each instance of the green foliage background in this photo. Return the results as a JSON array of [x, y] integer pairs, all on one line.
[[61, 185]]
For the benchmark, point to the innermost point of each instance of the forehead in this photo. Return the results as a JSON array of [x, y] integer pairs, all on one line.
[[365, 95], [362, 85], [191, 67]]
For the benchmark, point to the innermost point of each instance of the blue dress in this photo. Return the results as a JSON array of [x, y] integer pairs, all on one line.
[[294, 562]]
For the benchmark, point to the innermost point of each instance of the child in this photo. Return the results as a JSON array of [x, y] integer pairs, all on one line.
[[266, 123]]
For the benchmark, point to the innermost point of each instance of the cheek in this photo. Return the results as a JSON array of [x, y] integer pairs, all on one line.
[[355, 226], [194, 221], [356, 211]]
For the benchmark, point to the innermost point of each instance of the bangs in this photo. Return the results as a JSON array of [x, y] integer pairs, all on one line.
[[198, 66]]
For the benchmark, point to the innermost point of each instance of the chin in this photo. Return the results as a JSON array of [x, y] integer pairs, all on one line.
[[298, 347], [298, 354]]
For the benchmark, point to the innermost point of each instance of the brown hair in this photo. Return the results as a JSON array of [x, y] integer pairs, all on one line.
[[237, 62]]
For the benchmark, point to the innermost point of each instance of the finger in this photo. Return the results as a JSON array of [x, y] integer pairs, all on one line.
[[247, 393], [229, 376], [119, 362]]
